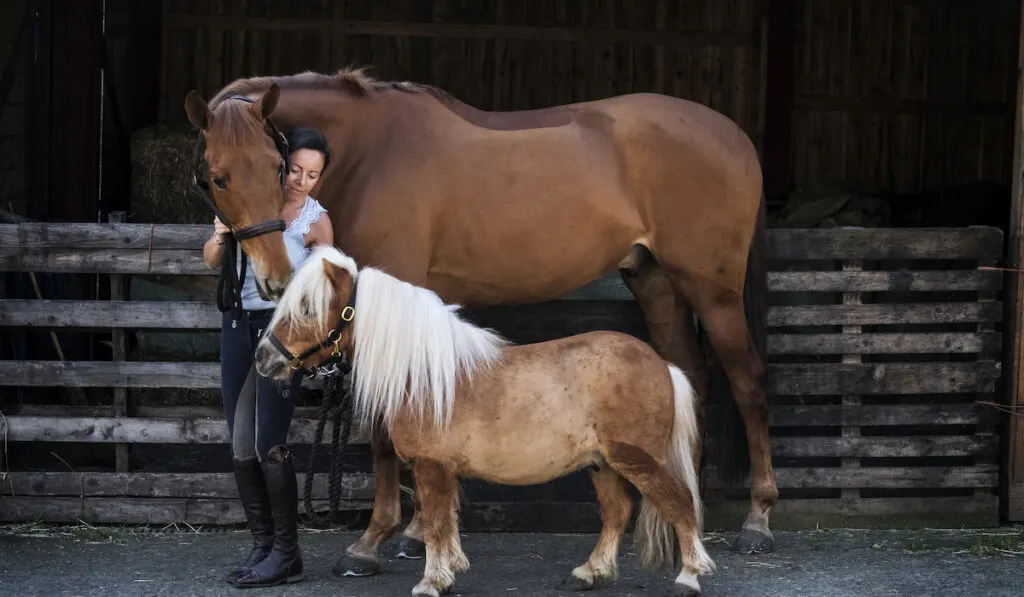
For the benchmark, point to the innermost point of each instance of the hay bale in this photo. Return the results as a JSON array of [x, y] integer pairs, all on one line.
[[162, 191]]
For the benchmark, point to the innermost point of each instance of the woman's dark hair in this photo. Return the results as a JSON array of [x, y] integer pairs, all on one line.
[[304, 137]]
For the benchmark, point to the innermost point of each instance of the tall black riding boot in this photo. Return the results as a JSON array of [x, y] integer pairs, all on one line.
[[252, 490], [284, 564]]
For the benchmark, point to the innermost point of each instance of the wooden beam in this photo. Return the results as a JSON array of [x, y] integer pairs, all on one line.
[[1012, 492], [83, 26], [778, 99]]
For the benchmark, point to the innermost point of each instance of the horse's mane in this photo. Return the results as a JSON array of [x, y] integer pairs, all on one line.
[[351, 80], [411, 349]]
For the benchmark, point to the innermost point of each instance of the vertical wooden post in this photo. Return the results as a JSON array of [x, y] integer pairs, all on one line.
[[779, 97], [851, 401], [119, 343], [1012, 494]]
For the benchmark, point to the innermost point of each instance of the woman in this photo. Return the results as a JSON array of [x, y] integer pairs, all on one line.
[[259, 412]]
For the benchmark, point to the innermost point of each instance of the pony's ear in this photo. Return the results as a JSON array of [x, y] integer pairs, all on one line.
[[335, 273], [264, 106], [198, 110]]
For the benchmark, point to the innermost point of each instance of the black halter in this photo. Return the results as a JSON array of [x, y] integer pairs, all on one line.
[[331, 366], [229, 287]]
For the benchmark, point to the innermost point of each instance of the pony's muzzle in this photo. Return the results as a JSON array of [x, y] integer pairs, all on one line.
[[270, 363]]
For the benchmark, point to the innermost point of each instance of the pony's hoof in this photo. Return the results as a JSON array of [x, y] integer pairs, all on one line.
[[751, 541], [419, 591], [572, 583], [681, 590], [411, 549], [350, 565]]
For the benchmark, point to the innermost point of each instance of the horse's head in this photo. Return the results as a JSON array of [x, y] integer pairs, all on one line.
[[247, 161], [312, 321]]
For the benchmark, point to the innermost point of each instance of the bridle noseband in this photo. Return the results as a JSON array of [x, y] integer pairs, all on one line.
[[226, 298], [331, 366]]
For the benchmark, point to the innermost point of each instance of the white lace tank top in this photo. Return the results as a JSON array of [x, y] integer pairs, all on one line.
[[294, 242]]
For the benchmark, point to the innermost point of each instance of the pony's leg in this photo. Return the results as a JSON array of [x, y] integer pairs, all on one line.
[[721, 311], [361, 558], [674, 504], [412, 546], [438, 490], [616, 507]]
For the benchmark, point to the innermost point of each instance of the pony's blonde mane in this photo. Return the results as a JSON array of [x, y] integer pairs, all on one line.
[[411, 349]]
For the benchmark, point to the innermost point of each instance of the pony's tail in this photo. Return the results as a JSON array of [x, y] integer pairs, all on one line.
[[655, 538]]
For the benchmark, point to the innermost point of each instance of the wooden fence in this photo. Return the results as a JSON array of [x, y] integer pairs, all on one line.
[[881, 343]]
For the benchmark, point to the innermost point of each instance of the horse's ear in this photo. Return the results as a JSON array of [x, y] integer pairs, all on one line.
[[264, 106], [198, 110]]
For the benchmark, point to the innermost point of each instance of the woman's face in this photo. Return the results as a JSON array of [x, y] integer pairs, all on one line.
[[307, 165]]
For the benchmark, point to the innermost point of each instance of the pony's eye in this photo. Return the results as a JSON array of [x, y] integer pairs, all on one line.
[[220, 183]]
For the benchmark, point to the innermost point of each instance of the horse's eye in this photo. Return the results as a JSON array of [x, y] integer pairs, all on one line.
[[220, 183]]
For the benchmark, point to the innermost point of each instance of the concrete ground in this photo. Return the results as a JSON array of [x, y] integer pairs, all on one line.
[[85, 561]]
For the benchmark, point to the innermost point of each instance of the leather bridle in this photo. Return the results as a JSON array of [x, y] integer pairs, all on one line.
[[333, 364], [228, 297]]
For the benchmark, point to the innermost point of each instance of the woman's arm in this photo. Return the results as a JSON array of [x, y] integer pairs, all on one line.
[[321, 232], [213, 249]]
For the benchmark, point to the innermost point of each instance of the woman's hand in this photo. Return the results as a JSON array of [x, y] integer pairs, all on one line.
[[220, 230]]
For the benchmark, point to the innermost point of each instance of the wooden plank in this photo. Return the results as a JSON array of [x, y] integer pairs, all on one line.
[[882, 281], [119, 346], [933, 512], [1011, 495], [90, 374], [978, 242], [883, 446], [908, 343], [461, 31], [204, 315], [780, 415], [136, 430], [190, 315], [106, 261], [925, 477], [15, 238], [882, 378], [834, 415], [355, 486], [161, 511], [851, 400], [884, 314]]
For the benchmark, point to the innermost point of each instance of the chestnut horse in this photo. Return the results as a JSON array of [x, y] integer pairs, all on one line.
[[487, 208], [457, 400]]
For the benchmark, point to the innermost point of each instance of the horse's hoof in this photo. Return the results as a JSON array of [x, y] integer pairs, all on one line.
[[751, 541], [430, 592], [411, 549], [572, 583], [350, 565]]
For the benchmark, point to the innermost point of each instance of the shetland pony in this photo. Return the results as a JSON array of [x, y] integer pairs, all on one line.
[[459, 400]]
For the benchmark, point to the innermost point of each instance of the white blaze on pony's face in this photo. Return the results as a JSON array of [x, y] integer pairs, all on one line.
[[244, 178], [308, 310]]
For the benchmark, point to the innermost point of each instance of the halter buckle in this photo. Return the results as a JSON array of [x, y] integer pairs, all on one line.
[[295, 363], [347, 313]]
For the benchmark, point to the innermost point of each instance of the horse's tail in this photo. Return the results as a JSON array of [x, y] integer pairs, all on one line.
[[655, 539]]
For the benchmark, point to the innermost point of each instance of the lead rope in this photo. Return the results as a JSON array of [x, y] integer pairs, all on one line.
[[336, 404]]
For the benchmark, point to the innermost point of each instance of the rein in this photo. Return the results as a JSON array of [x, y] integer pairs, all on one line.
[[229, 284]]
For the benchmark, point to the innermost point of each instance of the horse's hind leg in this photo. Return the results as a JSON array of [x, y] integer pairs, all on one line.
[[616, 507], [721, 311], [668, 318], [438, 490], [361, 558]]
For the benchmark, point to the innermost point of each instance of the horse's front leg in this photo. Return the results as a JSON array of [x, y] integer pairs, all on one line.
[[361, 558], [439, 504]]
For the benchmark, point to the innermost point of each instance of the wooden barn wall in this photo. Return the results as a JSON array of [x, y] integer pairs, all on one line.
[[501, 55], [13, 109], [904, 96]]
